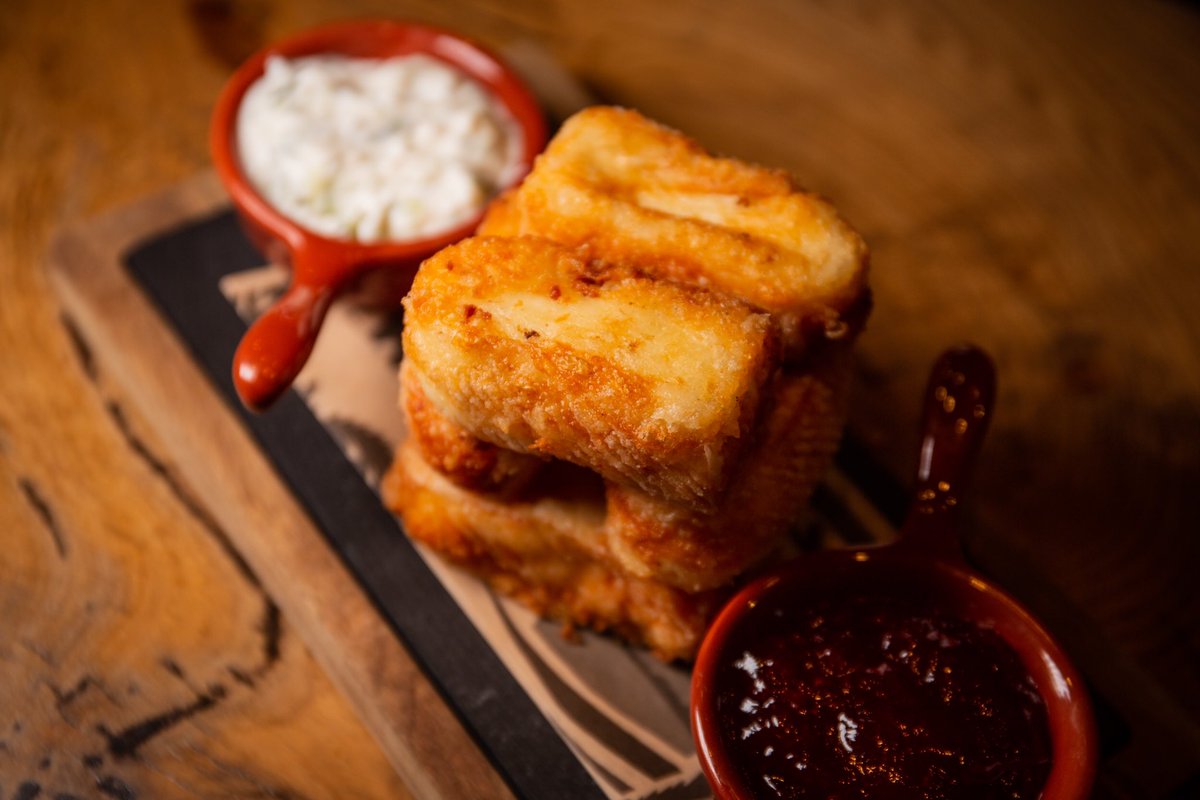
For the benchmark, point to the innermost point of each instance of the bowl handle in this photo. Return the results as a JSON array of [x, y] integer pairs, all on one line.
[[959, 402], [277, 345]]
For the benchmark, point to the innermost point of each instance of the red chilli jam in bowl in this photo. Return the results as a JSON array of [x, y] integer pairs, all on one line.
[[895, 672], [876, 694]]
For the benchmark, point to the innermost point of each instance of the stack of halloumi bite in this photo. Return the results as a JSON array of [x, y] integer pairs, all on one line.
[[621, 392]]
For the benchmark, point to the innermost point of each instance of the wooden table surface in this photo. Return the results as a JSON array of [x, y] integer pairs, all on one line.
[[1027, 175]]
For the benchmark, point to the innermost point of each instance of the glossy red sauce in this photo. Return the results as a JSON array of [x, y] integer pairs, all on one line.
[[879, 698]]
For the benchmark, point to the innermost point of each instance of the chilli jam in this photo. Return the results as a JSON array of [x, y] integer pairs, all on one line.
[[870, 697]]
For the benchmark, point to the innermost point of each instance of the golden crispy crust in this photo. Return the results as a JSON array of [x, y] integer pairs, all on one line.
[[630, 191], [528, 347], [677, 325], [794, 446], [546, 550], [679, 545], [467, 460]]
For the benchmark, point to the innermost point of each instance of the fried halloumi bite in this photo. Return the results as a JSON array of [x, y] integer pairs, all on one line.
[[794, 442], [535, 350], [465, 459], [797, 437], [631, 191], [546, 550]]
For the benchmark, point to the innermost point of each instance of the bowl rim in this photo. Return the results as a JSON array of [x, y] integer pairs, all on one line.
[[375, 38], [1068, 706]]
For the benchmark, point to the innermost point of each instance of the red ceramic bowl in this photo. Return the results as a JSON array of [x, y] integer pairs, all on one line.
[[925, 566], [279, 342]]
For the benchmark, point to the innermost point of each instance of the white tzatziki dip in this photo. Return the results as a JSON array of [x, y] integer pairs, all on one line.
[[375, 149]]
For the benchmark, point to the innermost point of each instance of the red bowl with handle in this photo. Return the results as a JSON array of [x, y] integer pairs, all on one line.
[[926, 568], [276, 346]]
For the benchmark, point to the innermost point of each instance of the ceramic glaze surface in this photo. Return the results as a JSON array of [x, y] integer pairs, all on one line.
[[1011, 717], [277, 345]]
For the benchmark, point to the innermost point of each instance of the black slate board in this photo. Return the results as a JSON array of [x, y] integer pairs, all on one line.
[[180, 270]]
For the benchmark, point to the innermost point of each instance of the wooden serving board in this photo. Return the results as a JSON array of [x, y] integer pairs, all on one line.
[[216, 458], [432, 731], [159, 294]]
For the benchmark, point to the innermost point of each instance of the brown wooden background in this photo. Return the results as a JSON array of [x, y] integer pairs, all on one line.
[[1027, 174]]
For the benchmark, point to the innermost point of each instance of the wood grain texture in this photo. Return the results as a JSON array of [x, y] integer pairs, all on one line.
[[245, 506], [141, 656], [1026, 174]]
